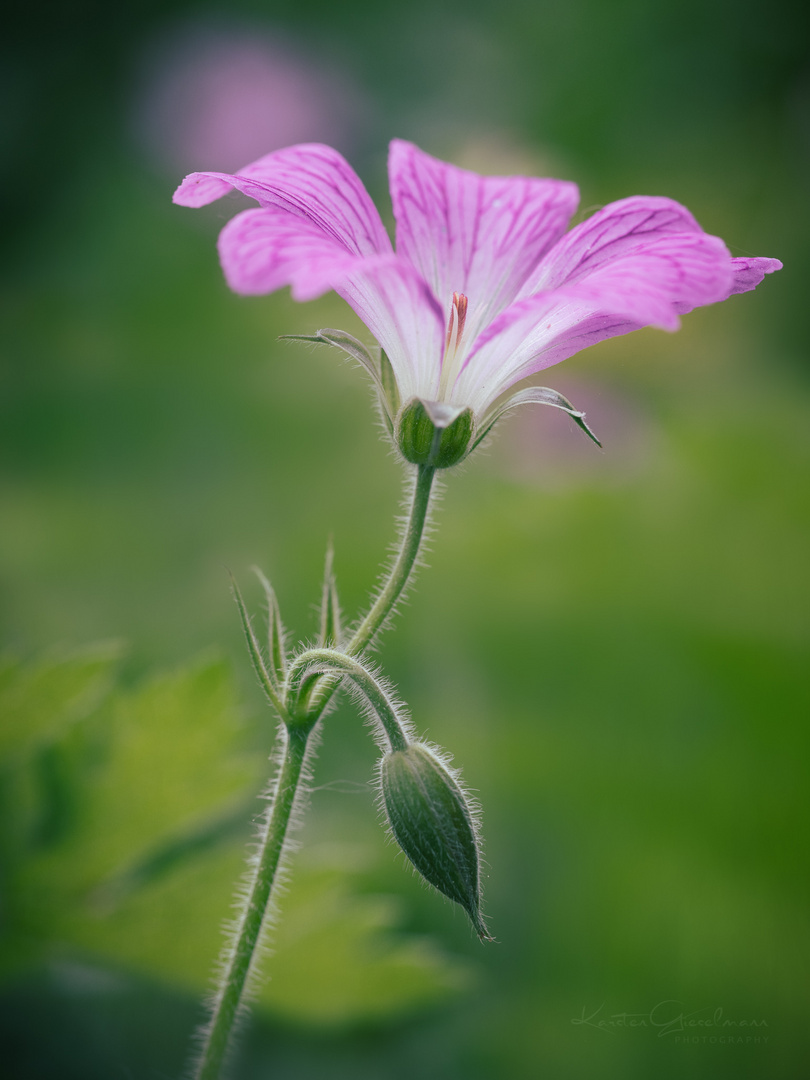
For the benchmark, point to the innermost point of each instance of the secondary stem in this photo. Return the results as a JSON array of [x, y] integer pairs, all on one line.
[[249, 931], [338, 661]]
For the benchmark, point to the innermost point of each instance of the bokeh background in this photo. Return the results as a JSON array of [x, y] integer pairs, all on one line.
[[613, 645]]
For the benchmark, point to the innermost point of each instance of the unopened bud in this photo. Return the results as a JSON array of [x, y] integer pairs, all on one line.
[[432, 823], [430, 433]]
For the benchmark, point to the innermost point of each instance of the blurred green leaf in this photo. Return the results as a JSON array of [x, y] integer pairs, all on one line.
[[38, 700], [128, 836], [335, 959]]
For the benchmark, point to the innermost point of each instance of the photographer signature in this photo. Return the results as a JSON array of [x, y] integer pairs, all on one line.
[[667, 1017]]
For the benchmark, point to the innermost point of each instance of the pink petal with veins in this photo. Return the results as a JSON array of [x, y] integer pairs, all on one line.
[[613, 231], [311, 181], [476, 235], [395, 303], [644, 286], [532, 296], [263, 250], [749, 272]]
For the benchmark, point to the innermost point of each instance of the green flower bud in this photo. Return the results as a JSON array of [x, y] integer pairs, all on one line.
[[432, 823], [429, 433]]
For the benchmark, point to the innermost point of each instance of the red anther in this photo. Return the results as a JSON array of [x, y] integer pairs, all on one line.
[[455, 324], [460, 304]]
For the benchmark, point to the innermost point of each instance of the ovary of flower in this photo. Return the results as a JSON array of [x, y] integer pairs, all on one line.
[[537, 294]]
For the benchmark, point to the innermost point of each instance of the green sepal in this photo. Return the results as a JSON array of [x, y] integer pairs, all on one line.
[[434, 434], [536, 395], [432, 823], [389, 384], [266, 677], [380, 370], [329, 634], [275, 631]]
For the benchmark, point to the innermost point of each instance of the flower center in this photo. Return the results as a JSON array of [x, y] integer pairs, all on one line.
[[453, 342]]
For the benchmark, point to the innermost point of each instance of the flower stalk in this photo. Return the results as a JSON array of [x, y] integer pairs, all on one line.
[[403, 565], [313, 662]]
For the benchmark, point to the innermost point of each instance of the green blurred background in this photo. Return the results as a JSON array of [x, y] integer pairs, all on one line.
[[613, 645]]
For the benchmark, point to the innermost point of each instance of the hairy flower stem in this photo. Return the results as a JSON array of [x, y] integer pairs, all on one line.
[[403, 566], [393, 587], [383, 707], [250, 927], [248, 933]]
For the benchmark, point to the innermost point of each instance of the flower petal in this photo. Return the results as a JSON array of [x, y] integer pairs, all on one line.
[[748, 273], [646, 286], [614, 231], [311, 181], [481, 236], [395, 303], [266, 248], [542, 330]]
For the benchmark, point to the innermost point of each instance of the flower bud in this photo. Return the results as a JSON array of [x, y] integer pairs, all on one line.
[[429, 433], [432, 823]]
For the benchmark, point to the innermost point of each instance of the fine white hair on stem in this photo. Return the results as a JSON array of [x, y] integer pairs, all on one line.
[[402, 521], [370, 714], [374, 695], [257, 896], [242, 898]]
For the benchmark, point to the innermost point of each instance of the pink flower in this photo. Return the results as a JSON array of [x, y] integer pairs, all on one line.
[[486, 286]]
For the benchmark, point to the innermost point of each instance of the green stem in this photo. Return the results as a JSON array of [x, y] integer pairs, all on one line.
[[250, 926], [298, 729], [332, 660], [401, 570], [393, 587]]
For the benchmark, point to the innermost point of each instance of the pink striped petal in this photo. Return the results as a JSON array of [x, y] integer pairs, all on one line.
[[481, 236], [749, 272], [265, 249], [541, 330], [616, 230], [645, 287], [395, 303], [531, 298], [310, 181]]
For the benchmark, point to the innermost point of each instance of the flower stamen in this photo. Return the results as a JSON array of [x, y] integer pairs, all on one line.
[[455, 325], [455, 333]]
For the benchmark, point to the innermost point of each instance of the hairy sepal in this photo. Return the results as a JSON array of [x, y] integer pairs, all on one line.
[[380, 370], [275, 630], [330, 628], [536, 395]]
